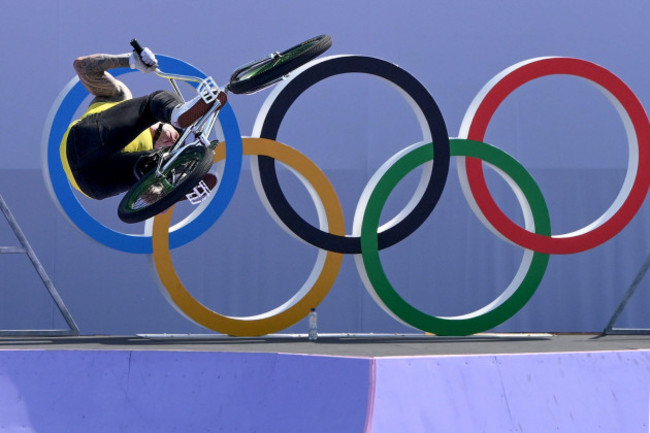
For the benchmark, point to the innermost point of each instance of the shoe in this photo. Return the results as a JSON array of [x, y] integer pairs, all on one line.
[[185, 114], [210, 180]]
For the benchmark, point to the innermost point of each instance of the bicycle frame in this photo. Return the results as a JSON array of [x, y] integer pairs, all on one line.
[[201, 129]]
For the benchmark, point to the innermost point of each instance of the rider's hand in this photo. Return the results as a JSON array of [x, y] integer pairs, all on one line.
[[145, 61]]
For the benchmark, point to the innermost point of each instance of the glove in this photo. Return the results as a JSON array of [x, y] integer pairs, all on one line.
[[145, 62]]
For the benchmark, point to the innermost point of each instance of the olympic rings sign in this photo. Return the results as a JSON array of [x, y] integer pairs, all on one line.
[[433, 152]]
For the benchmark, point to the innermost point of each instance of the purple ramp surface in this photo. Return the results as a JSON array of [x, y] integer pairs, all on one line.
[[532, 393], [124, 391]]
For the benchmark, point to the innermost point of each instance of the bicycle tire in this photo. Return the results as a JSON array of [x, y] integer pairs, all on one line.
[[164, 191], [262, 73]]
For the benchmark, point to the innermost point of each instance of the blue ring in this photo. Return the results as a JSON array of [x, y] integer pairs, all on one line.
[[62, 191]]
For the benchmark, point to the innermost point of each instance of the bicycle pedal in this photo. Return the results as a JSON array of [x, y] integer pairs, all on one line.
[[208, 89], [199, 193]]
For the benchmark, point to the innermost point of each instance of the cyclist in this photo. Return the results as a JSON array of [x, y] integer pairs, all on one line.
[[118, 139]]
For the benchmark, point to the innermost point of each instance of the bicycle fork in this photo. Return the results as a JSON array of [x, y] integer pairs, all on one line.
[[201, 130]]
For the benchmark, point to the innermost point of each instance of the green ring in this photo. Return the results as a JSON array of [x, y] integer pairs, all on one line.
[[494, 313]]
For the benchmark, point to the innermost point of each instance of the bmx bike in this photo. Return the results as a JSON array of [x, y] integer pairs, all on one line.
[[183, 165]]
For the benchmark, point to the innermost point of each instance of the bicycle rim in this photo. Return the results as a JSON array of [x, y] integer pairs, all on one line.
[[260, 74], [156, 192], [283, 58]]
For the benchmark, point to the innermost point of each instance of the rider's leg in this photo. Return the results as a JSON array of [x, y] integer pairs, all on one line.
[[121, 124]]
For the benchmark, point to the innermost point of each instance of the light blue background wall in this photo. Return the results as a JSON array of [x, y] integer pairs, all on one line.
[[561, 129]]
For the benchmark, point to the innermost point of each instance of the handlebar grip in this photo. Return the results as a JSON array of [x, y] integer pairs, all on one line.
[[136, 46]]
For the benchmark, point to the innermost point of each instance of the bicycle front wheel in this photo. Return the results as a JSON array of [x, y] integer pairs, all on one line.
[[156, 192], [260, 74]]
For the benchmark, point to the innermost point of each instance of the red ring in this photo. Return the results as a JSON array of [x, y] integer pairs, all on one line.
[[501, 87]]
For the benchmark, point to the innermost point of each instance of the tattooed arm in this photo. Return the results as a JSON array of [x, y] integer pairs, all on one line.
[[92, 71]]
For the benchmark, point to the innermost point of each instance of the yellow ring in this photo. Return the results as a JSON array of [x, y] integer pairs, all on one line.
[[289, 313]]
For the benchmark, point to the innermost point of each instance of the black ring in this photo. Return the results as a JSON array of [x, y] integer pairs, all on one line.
[[390, 72]]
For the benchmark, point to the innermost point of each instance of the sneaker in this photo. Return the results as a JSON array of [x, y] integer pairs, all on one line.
[[185, 114]]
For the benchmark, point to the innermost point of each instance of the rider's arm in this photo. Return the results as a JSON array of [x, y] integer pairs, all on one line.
[[92, 71]]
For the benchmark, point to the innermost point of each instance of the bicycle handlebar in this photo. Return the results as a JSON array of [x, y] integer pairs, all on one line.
[[138, 49], [136, 46]]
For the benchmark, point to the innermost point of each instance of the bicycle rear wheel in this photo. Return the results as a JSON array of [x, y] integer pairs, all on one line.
[[262, 73], [154, 193]]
